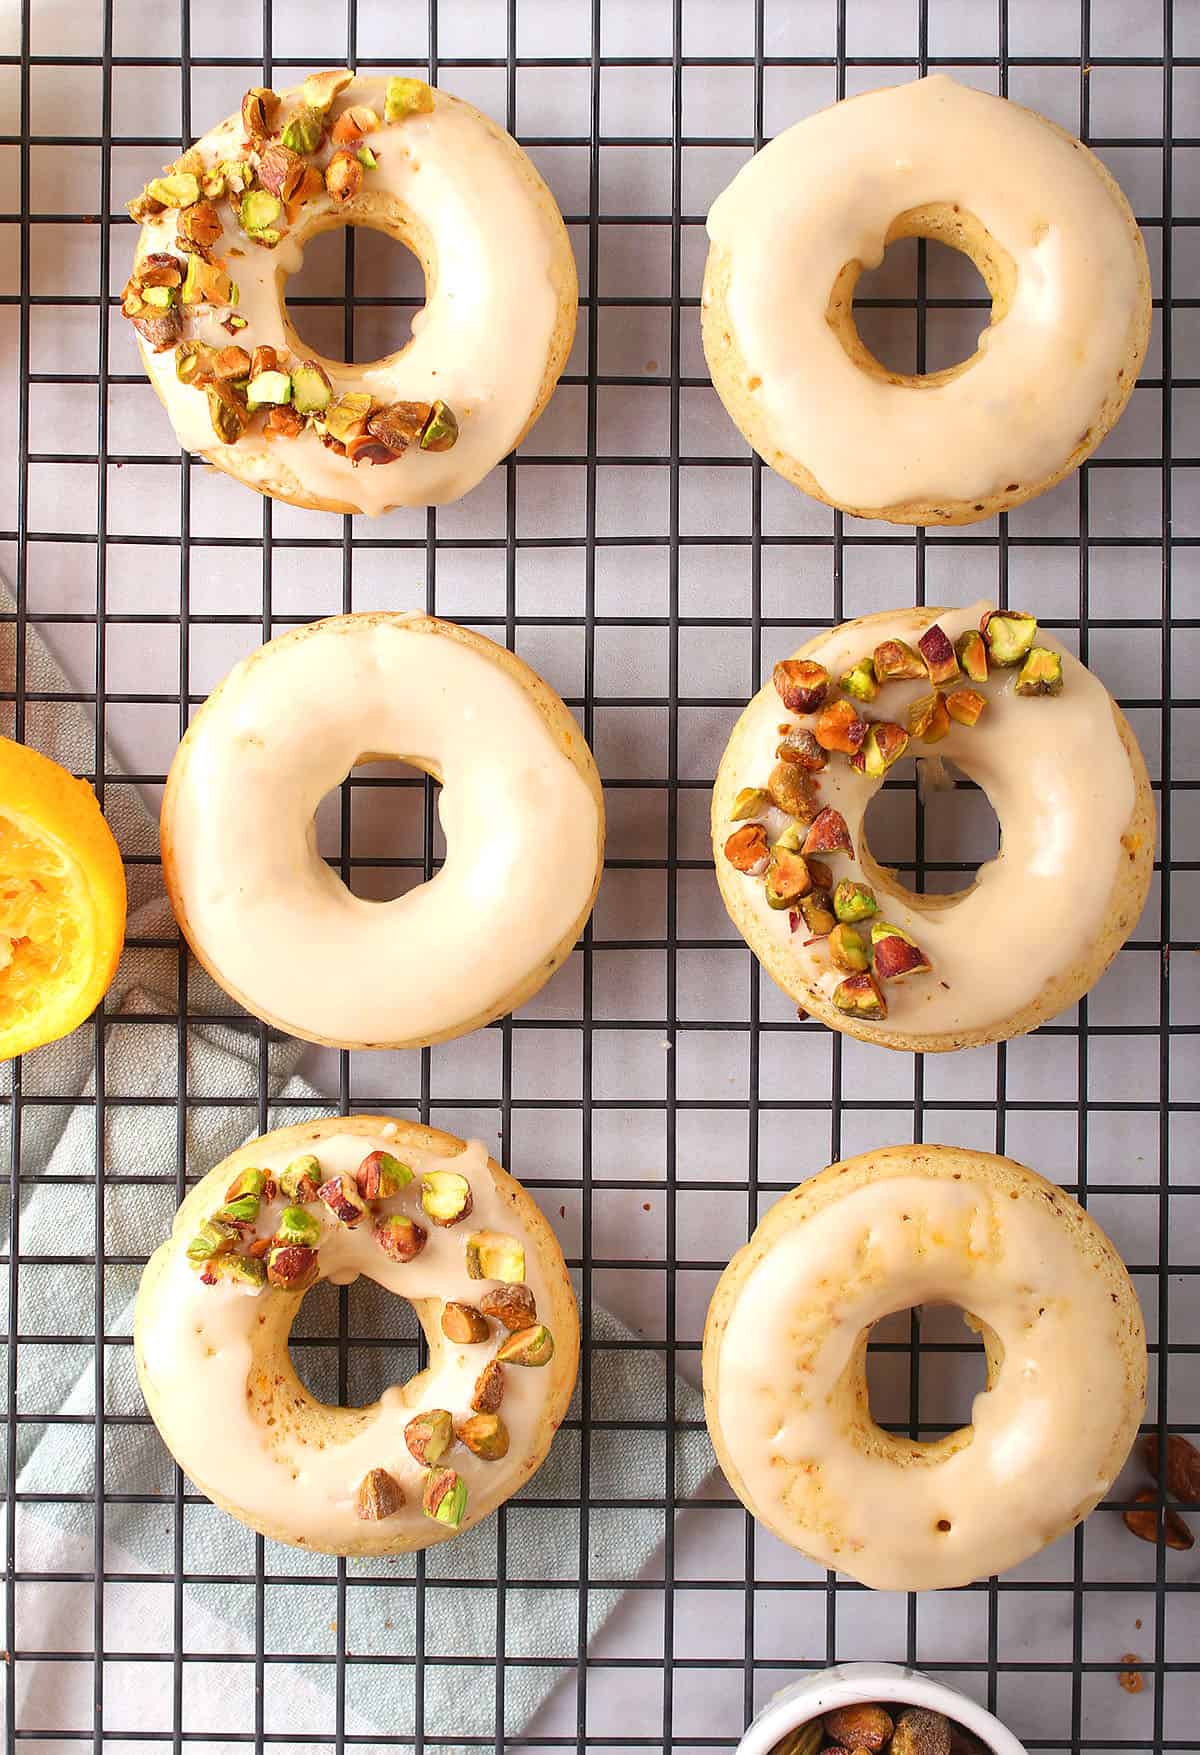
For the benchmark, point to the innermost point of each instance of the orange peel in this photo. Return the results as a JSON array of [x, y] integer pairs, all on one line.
[[62, 900]]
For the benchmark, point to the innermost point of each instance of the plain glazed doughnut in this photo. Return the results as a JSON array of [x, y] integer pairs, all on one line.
[[1044, 223], [785, 1389], [226, 227], [520, 806], [1038, 924], [426, 1217]]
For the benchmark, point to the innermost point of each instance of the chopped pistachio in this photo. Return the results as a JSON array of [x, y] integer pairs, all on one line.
[[267, 389], [445, 1196], [180, 189], [896, 954], [895, 661], [162, 297], [343, 175], [513, 1305], [489, 1389], [854, 901], [259, 210], [928, 719], [341, 1196], [747, 850], [787, 878], [485, 1436], [367, 159], [445, 1497], [347, 417], [464, 1325], [886, 743], [859, 995], [861, 682], [241, 1270], [379, 1495], [801, 684], [259, 107], [320, 89], [213, 1237], [380, 1176], [848, 949], [228, 414], [1009, 634], [491, 1255], [297, 1226], [790, 790], [400, 1237], [301, 1180], [838, 727], [828, 833], [429, 1436], [972, 655], [250, 1181], [527, 1346], [965, 705], [751, 801], [292, 1267], [353, 123], [407, 97], [441, 429], [305, 130], [816, 910], [206, 283], [935, 648], [242, 1211], [801, 747], [281, 172], [1041, 673], [399, 424], [311, 389]]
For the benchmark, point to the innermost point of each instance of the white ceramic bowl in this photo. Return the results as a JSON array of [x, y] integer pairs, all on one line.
[[847, 1683]]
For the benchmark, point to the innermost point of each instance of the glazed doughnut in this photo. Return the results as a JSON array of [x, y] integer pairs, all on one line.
[[785, 1345], [1038, 924], [1050, 233], [226, 227], [425, 1216], [520, 806]]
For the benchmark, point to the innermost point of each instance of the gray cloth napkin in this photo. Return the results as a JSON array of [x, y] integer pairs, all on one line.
[[59, 1146]]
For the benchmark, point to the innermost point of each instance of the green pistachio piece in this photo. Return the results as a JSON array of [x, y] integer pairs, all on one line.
[[367, 159], [527, 1346], [445, 1196], [1009, 634], [346, 416], [429, 1436], [860, 997], [301, 1180], [848, 949], [407, 97], [493, 1256], [861, 682], [297, 1226], [854, 901], [310, 388], [380, 1176], [242, 1211], [181, 189], [886, 743], [750, 802], [816, 910], [206, 283], [213, 1237], [268, 389], [445, 1497], [192, 359], [247, 1182], [305, 131], [972, 655], [485, 1436], [242, 1270], [259, 209], [163, 297], [441, 429], [1041, 673], [226, 413], [320, 89]]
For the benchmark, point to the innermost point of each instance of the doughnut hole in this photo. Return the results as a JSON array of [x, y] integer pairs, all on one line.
[[355, 296], [379, 829], [968, 282], [932, 826], [924, 1369], [350, 1343]]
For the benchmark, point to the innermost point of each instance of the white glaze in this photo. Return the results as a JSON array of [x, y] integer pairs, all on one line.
[[480, 343], [522, 833], [197, 1359], [1042, 1449], [825, 192], [1058, 778]]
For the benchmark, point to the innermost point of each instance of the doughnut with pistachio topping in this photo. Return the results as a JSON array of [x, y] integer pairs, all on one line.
[[224, 228]]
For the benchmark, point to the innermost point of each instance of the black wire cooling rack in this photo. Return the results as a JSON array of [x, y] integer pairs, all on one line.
[[653, 581]]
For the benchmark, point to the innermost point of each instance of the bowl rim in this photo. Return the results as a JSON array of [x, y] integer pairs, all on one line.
[[848, 1684]]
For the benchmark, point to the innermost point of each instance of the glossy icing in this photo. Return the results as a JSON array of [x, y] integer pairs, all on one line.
[[1045, 1440], [522, 830], [825, 192], [480, 343], [1058, 778], [197, 1362]]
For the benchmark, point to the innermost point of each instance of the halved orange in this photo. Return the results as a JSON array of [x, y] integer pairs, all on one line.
[[62, 900]]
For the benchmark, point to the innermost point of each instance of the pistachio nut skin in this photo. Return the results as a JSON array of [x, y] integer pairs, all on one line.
[[429, 1436], [896, 954], [492, 1255], [464, 1325], [853, 901], [297, 1226], [821, 876], [445, 1497], [528, 1346], [1008, 633], [400, 1237], [301, 1180], [1041, 673], [791, 791], [380, 1176], [485, 1436], [512, 1305], [939, 655], [801, 684], [379, 1495], [801, 747], [292, 1267], [828, 834], [341, 1196], [816, 910], [489, 1389], [445, 1196]]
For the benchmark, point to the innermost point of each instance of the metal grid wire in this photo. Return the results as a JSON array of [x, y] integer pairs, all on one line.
[[653, 578]]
